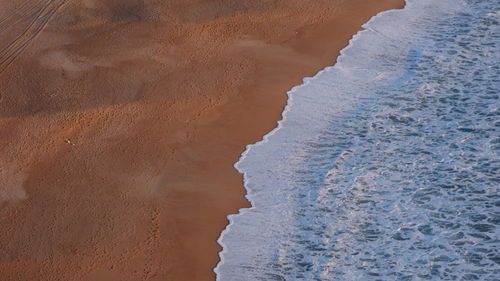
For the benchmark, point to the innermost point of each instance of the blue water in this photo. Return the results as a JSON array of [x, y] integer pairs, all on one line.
[[386, 166]]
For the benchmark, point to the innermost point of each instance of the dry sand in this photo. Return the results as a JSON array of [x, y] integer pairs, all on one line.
[[120, 121]]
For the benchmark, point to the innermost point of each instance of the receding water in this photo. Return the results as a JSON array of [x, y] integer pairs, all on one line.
[[385, 166]]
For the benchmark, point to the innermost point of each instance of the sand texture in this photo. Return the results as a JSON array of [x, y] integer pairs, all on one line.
[[120, 121]]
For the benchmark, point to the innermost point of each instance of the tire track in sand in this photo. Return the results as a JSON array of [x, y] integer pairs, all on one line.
[[12, 50], [22, 12]]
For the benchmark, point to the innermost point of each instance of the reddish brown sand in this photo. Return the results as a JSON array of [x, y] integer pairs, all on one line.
[[120, 121]]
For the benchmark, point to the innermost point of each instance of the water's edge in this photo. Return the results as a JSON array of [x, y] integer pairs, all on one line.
[[288, 106]]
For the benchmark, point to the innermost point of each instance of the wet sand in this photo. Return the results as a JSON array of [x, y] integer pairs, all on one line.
[[120, 121]]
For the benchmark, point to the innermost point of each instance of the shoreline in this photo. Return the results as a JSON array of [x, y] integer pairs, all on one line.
[[263, 140], [277, 126], [137, 180]]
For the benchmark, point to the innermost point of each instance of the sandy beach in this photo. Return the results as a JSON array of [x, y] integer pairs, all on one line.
[[120, 122]]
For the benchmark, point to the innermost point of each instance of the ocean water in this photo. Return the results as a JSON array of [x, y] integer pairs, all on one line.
[[386, 166]]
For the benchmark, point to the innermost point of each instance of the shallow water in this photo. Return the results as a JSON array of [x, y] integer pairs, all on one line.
[[385, 166]]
